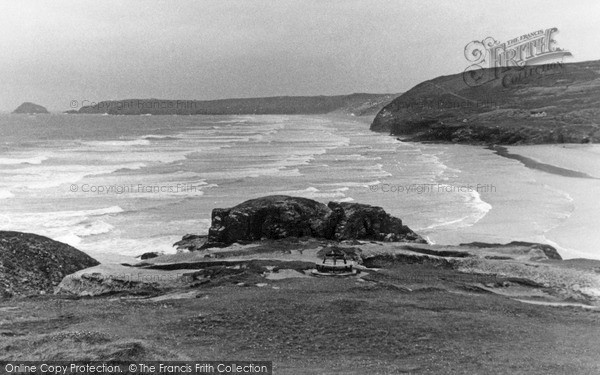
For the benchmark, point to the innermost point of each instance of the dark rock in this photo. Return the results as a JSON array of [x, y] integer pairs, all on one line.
[[149, 255], [40, 261], [280, 216], [30, 108], [191, 242], [361, 221], [271, 217]]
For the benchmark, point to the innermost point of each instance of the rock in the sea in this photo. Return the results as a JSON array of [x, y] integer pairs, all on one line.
[[30, 264], [149, 255], [30, 108], [281, 216]]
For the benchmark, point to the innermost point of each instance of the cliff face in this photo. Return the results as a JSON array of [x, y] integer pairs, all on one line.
[[356, 104], [555, 103], [30, 108], [30, 264]]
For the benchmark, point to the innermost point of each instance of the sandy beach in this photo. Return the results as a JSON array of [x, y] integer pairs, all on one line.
[[577, 235]]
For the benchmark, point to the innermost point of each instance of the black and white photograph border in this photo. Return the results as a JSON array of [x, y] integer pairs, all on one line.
[[299, 187]]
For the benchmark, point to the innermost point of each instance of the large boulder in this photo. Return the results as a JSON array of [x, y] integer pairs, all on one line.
[[273, 217], [32, 264], [281, 216]]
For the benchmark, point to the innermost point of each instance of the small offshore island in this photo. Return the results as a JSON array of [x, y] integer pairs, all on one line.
[[30, 109], [245, 290]]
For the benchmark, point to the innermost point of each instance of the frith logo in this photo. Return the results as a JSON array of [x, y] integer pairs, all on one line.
[[535, 48]]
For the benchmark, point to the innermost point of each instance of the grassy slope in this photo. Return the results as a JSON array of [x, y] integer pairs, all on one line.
[[500, 109], [318, 326]]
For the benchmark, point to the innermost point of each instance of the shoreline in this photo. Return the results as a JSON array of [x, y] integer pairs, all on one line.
[[576, 233]]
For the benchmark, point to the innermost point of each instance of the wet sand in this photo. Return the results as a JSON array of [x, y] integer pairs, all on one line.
[[575, 170], [535, 164]]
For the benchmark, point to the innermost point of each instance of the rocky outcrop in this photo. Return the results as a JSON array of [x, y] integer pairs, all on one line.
[[280, 216], [191, 242], [548, 251], [30, 264], [555, 103], [113, 279], [271, 217], [30, 108], [362, 221]]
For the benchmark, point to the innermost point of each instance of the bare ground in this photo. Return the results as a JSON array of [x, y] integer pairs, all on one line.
[[406, 318]]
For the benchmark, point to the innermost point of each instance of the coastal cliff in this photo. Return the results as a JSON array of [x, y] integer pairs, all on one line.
[[354, 104], [554, 103]]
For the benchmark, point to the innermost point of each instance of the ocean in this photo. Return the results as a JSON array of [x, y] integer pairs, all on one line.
[[118, 186]]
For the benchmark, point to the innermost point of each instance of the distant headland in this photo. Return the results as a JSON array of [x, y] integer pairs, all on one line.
[[553, 103], [355, 104]]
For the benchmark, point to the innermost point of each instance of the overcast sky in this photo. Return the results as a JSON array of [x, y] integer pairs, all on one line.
[[56, 52]]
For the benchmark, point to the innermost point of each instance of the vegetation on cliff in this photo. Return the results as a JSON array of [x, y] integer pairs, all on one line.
[[555, 103]]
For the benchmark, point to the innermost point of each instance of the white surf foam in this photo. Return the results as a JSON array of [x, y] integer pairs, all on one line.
[[313, 193], [118, 143], [43, 177], [65, 226], [32, 160], [5, 194], [478, 207]]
